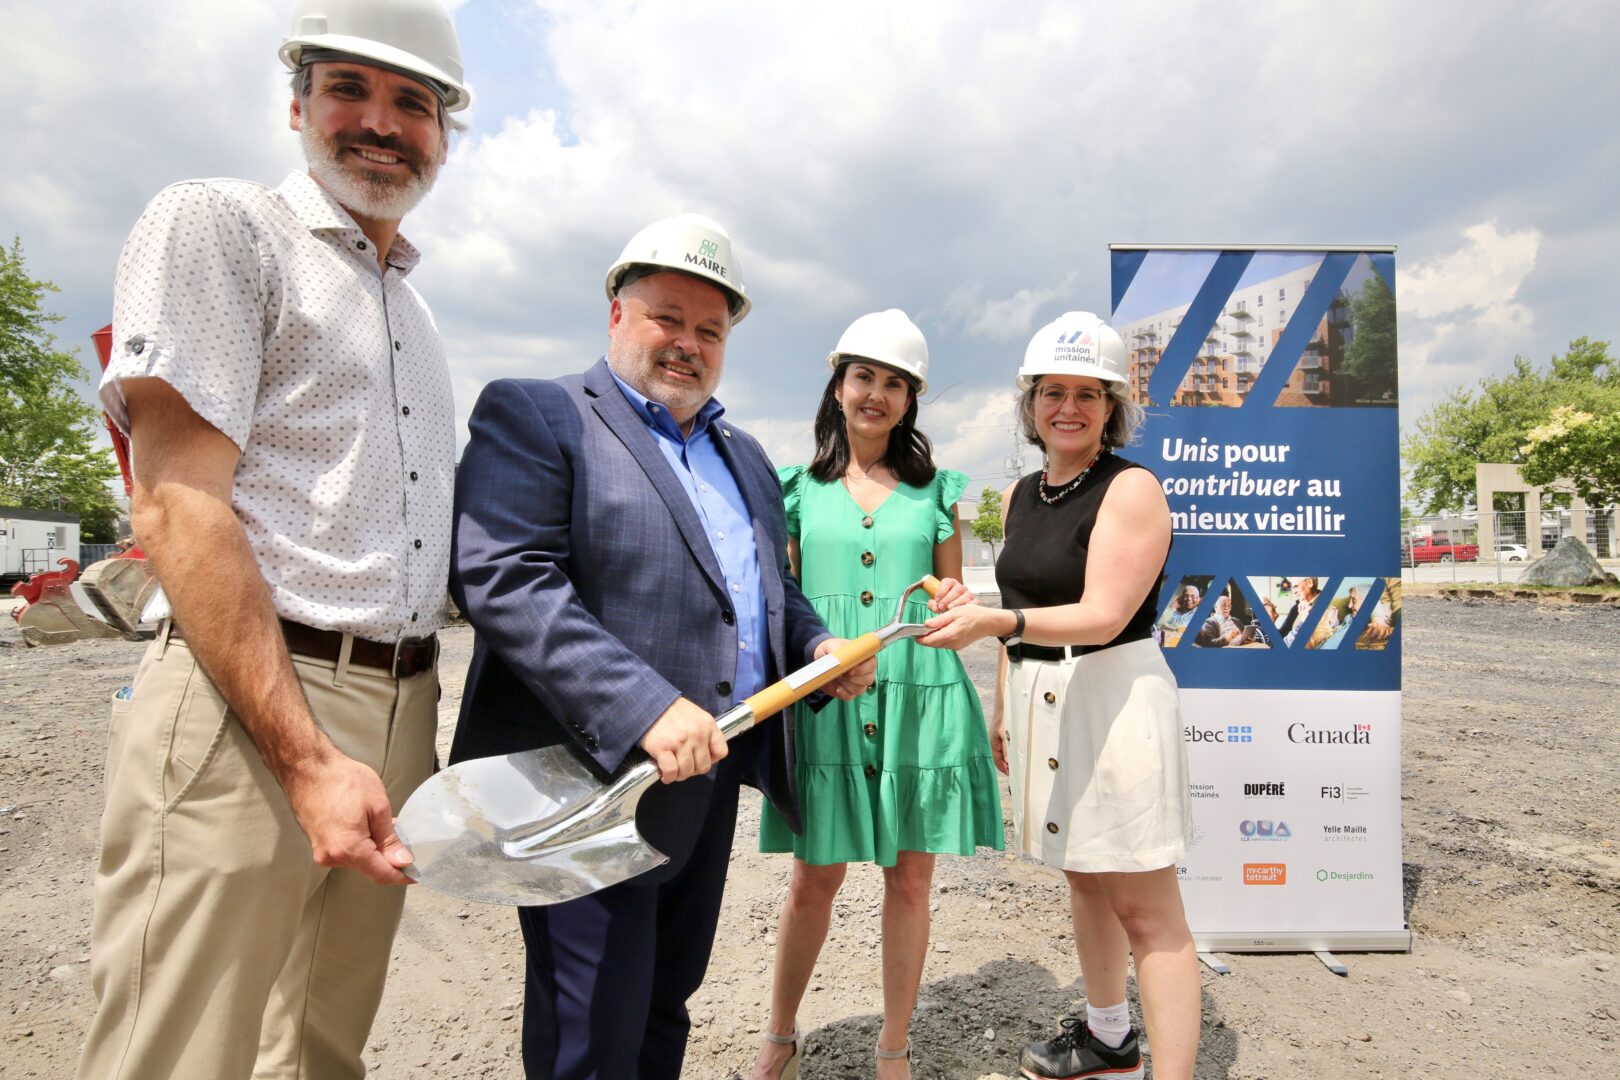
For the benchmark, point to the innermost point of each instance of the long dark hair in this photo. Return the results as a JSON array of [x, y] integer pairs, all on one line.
[[910, 455]]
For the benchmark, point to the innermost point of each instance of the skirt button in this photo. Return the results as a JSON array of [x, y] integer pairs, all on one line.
[[1051, 698], [1051, 763], [871, 771], [870, 729], [866, 598], [1051, 827]]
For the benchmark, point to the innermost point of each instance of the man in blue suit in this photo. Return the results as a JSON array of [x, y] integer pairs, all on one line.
[[619, 550]]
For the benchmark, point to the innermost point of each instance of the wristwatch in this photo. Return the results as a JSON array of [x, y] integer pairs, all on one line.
[[1017, 636]]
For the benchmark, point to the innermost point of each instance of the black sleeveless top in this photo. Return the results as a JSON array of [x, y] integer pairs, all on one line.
[[1043, 561]]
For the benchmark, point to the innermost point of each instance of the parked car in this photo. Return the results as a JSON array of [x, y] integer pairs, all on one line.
[[1511, 553], [1433, 549]]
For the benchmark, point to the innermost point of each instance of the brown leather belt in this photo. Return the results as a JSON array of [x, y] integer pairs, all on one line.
[[407, 658]]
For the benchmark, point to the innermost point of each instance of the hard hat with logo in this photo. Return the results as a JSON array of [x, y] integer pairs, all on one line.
[[414, 37], [1074, 343], [690, 243], [888, 338]]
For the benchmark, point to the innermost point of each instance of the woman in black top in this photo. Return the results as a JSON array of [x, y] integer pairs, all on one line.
[[1087, 720]]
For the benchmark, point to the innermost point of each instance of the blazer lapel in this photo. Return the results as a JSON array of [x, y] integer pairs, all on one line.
[[621, 419]]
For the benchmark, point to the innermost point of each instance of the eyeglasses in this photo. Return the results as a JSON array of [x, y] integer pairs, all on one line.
[[1085, 397]]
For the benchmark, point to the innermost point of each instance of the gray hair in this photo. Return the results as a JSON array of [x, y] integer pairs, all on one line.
[[303, 83], [1123, 422]]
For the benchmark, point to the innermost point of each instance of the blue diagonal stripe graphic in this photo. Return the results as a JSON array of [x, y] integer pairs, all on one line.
[[1290, 345], [1125, 266], [1195, 324]]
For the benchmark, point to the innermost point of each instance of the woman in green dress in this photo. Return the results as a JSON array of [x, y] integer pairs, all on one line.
[[904, 772]]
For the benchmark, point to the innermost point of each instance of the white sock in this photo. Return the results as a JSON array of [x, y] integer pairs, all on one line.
[[1110, 1024]]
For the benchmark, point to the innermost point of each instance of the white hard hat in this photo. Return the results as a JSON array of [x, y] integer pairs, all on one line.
[[415, 37], [692, 244], [888, 338], [1074, 343]]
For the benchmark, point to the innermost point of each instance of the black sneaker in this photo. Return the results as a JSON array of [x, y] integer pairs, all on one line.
[[1076, 1053]]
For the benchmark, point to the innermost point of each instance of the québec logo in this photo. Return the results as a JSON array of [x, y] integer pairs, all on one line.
[[1358, 735], [1264, 830], [1232, 733]]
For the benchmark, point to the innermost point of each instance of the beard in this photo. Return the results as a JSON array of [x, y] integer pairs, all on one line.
[[638, 366], [369, 193]]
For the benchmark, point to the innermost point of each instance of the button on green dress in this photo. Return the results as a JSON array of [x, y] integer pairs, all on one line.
[[906, 767]]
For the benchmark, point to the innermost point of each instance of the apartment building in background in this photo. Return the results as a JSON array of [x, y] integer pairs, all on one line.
[[1234, 350]]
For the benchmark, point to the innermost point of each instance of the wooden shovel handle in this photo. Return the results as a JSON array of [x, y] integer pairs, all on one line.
[[812, 677]]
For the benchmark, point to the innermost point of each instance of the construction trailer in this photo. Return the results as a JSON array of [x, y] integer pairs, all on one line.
[[31, 541]]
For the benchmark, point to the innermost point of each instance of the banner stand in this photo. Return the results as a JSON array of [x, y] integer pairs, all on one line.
[[1269, 378]]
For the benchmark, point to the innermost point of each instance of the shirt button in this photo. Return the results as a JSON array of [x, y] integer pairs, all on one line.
[[413, 616], [866, 522], [870, 729], [361, 244], [1051, 827], [871, 771], [418, 544], [405, 410], [719, 536], [722, 688], [866, 598], [867, 558], [743, 645], [398, 346], [1049, 697], [728, 618], [736, 588], [413, 474], [703, 487], [1051, 763], [137, 344]]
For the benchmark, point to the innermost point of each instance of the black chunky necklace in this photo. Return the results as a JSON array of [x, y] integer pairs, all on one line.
[[1051, 496]]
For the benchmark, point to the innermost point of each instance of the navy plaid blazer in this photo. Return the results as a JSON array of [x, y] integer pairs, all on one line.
[[580, 562]]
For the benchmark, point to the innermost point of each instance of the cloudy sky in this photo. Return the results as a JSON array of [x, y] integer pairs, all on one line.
[[968, 162]]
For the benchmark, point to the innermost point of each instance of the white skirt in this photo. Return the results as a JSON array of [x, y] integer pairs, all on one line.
[[1099, 769]]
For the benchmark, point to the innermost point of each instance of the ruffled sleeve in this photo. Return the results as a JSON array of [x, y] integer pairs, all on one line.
[[948, 488], [792, 479]]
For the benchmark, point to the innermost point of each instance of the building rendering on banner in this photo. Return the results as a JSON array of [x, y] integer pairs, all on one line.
[[1238, 345]]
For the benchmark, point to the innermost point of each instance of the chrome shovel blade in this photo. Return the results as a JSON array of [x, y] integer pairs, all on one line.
[[525, 829]]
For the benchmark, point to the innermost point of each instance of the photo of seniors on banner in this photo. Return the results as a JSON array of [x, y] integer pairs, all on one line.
[[1269, 378]]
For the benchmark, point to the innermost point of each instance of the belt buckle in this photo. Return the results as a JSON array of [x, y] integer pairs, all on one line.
[[402, 643]]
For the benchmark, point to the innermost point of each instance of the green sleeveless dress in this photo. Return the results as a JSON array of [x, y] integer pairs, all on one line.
[[906, 767]]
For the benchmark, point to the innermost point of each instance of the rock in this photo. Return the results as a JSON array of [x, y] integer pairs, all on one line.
[[1569, 563]]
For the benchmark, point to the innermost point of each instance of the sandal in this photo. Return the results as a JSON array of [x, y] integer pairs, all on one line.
[[790, 1067]]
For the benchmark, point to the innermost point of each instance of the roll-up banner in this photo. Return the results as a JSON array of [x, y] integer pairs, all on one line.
[[1269, 379]]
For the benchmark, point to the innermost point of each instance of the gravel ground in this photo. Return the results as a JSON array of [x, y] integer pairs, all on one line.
[[1512, 887]]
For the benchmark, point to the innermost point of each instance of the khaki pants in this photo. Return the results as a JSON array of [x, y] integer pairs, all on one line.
[[219, 950]]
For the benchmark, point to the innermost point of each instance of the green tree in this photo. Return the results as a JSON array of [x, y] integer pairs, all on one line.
[[987, 525], [48, 457], [1492, 424], [1370, 361], [1579, 447]]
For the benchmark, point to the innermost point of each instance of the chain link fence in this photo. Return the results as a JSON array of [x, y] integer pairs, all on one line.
[[1449, 549]]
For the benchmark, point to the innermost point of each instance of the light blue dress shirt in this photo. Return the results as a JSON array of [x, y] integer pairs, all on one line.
[[715, 496]]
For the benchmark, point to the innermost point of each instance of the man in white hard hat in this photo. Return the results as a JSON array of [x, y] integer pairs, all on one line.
[[619, 549], [288, 403]]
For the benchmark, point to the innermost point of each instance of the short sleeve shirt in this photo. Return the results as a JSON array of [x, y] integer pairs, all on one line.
[[265, 310]]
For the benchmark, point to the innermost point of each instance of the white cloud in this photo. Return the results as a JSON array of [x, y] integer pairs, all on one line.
[[965, 162], [1460, 304]]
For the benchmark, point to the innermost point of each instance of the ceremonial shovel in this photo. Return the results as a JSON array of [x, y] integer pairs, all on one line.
[[538, 827]]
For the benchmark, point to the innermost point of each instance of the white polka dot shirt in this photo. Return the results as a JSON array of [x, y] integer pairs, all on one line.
[[265, 311]]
